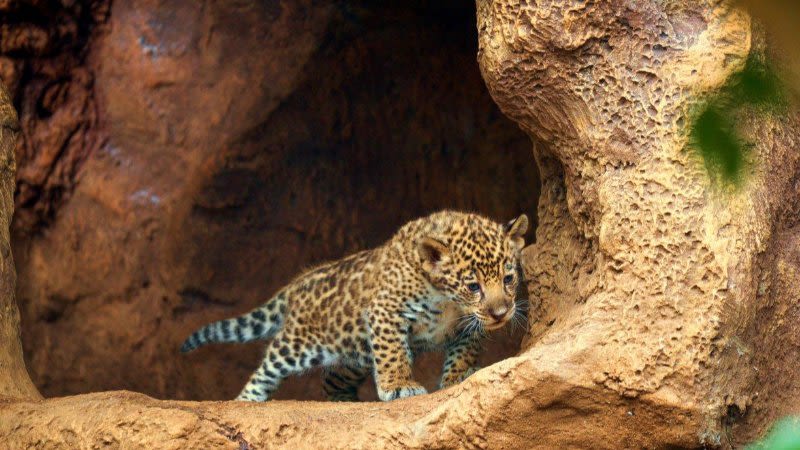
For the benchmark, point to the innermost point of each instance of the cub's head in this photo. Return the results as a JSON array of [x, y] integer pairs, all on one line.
[[475, 262]]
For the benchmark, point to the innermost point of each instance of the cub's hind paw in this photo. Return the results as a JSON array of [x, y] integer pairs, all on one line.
[[401, 392], [343, 397]]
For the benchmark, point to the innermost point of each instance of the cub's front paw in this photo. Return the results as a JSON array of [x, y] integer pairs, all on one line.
[[469, 372], [453, 379], [395, 392]]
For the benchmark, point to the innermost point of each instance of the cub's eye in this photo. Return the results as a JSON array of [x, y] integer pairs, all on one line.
[[508, 279], [474, 287]]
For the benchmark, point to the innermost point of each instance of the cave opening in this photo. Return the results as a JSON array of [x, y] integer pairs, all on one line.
[[197, 207]]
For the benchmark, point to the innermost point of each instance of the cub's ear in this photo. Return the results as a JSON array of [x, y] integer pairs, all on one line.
[[516, 230], [433, 253]]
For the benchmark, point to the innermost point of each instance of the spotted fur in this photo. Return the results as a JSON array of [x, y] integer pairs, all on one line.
[[438, 283]]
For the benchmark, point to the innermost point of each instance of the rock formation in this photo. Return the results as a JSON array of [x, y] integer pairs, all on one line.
[[664, 304], [16, 382]]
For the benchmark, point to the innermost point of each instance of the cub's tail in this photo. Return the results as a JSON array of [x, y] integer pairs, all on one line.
[[260, 323]]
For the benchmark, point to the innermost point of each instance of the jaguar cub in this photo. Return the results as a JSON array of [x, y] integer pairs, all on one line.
[[438, 283]]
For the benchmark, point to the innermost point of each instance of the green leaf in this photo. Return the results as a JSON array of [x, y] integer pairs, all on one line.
[[713, 132], [784, 435], [714, 136], [757, 84]]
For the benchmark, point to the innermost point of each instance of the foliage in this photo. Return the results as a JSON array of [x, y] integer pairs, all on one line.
[[784, 435], [713, 132]]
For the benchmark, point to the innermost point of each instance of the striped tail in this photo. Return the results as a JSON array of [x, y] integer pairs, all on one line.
[[260, 323]]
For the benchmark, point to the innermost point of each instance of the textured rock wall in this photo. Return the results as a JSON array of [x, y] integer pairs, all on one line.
[[646, 273], [655, 274], [761, 333], [14, 379], [44, 50], [226, 148]]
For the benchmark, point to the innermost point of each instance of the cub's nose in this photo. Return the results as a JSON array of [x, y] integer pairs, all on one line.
[[498, 312]]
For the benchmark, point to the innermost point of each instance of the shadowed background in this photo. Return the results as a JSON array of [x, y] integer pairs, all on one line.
[[179, 162]]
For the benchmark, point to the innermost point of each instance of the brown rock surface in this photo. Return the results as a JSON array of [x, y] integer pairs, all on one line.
[[44, 48], [15, 380], [667, 304], [655, 275]]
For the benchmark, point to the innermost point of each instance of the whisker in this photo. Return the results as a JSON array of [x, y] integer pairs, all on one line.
[[520, 319], [514, 324], [519, 324], [475, 326], [521, 315], [466, 323], [461, 323], [465, 332]]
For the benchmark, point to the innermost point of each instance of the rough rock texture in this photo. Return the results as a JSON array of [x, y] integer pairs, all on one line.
[[512, 405], [666, 304], [655, 275], [44, 46], [240, 143], [15, 380]]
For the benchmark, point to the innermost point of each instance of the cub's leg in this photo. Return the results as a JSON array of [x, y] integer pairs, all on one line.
[[391, 355], [341, 383], [460, 358], [285, 356]]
